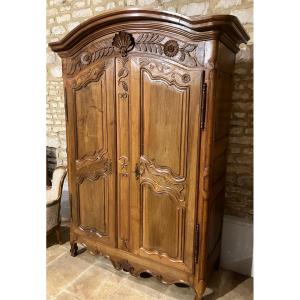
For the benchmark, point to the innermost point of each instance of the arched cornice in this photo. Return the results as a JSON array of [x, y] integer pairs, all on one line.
[[208, 27]]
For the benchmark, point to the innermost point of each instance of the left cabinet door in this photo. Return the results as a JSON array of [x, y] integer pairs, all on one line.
[[91, 135]]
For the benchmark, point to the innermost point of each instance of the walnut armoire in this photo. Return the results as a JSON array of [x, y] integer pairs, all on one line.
[[147, 102]]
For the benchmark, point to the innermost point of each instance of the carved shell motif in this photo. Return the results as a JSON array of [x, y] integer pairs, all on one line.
[[124, 42]]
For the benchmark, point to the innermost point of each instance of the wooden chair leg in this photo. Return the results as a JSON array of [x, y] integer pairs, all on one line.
[[57, 230], [74, 249]]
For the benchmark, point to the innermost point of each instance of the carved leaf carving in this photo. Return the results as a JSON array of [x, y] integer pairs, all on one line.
[[149, 37], [122, 78], [150, 42], [90, 55], [121, 72], [125, 86], [153, 43]]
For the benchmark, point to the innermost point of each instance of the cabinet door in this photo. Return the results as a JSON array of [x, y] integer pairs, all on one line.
[[165, 137], [92, 144]]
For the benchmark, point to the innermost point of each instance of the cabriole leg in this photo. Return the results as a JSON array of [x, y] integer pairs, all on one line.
[[199, 290], [198, 296]]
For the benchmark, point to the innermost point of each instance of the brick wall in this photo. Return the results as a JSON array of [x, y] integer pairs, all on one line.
[[64, 15]]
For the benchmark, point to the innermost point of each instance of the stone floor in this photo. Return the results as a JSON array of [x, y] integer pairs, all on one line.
[[87, 277]]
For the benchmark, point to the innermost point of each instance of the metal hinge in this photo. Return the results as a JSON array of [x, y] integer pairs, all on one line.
[[203, 102], [196, 243]]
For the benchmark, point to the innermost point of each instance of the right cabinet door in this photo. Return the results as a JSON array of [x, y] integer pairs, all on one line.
[[165, 134]]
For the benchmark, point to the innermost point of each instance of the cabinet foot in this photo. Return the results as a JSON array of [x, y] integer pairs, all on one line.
[[74, 249], [198, 296], [199, 290]]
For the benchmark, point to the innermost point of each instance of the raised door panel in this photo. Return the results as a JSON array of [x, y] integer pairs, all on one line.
[[93, 152], [166, 102]]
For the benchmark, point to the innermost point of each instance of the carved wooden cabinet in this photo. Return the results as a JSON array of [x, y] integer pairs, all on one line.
[[147, 101]]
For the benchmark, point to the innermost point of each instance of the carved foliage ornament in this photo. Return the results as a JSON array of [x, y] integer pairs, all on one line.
[[154, 43], [150, 42], [124, 42], [171, 48], [123, 161], [94, 52], [123, 80]]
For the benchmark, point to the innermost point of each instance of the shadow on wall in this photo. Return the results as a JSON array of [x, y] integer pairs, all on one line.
[[237, 245], [239, 175]]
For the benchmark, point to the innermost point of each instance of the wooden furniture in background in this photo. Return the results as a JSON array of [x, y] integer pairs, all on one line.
[[53, 201], [147, 100]]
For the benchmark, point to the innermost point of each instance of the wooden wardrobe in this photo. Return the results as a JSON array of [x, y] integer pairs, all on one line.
[[147, 101]]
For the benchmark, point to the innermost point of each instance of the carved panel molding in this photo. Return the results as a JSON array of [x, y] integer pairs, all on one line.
[[94, 166], [86, 159], [92, 75], [92, 231], [162, 179], [179, 244], [170, 72]]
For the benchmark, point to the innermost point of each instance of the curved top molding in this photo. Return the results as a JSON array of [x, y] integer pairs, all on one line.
[[227, 24]]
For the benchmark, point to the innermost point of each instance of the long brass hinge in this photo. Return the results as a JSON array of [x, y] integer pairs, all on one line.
[[203, 101], [196, 243]]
